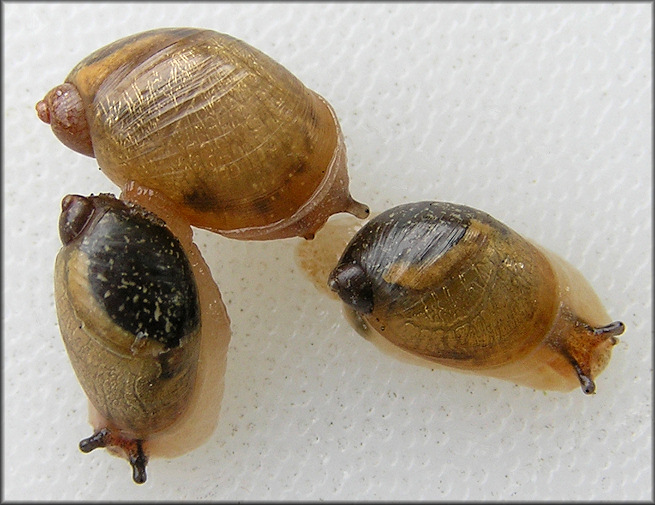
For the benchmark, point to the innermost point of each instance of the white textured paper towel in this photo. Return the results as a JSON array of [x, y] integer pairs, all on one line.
[[537, 114]]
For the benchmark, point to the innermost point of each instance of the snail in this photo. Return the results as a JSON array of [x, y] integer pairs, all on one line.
[[237, 143], [143, 324], [452, 285]]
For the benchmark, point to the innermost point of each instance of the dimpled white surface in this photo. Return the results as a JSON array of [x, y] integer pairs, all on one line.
[[537, 114]]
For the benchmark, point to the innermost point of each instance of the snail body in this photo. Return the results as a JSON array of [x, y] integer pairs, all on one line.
[[454, 286], [134, 313], [231, 137]]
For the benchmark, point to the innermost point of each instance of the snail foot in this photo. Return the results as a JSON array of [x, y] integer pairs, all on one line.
[[133, 450]]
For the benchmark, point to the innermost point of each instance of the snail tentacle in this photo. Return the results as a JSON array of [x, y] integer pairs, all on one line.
[[138, 459], [612, 330], [133, 449], [101, 438]]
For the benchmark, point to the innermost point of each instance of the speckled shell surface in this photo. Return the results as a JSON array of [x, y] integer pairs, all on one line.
[[130, 317]]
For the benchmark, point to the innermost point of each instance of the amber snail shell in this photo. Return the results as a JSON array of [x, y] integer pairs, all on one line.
[[452, 285], [231, 137], [143, 325]]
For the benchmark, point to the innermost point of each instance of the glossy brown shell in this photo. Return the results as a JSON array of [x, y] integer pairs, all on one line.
[[232, 138], [452, 285]]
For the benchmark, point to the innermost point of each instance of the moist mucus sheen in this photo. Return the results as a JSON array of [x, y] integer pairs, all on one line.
[[415, 233], [139, 274]]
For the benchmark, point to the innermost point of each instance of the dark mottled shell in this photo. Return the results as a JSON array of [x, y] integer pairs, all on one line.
[[452, 284], [124, 280]]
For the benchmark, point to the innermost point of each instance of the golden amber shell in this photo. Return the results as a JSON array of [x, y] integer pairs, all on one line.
[[231, 137], [454, 286]]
